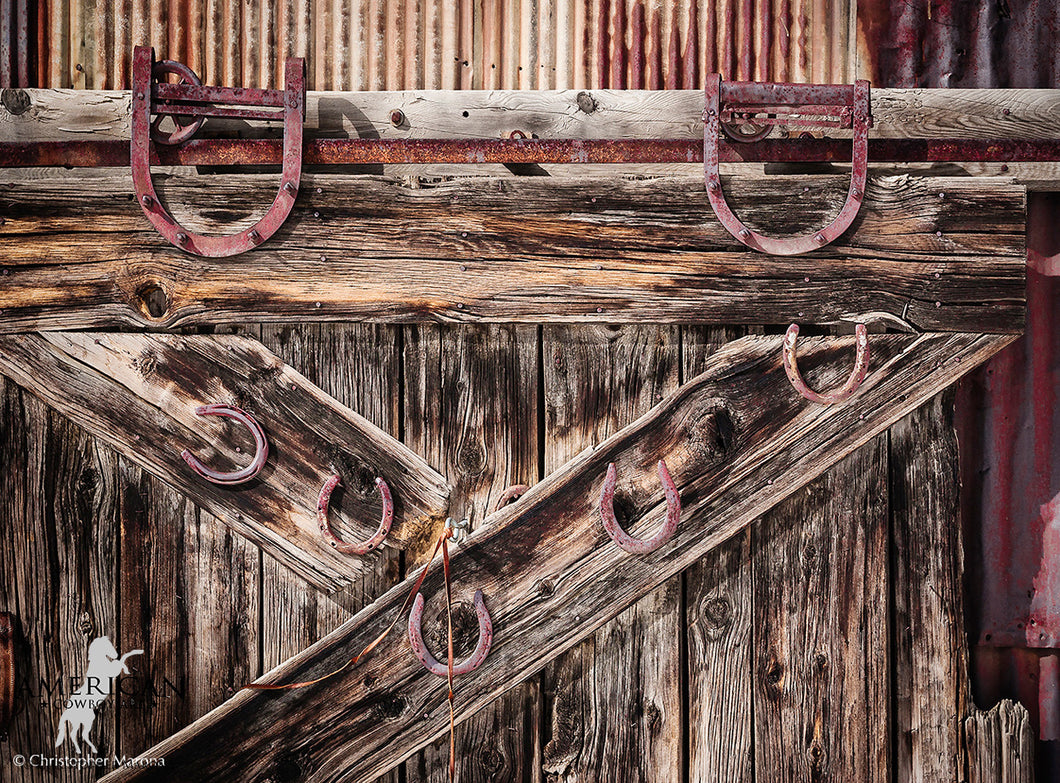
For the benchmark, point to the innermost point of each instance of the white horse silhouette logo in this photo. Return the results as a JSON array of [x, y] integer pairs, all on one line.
[[80, 713]]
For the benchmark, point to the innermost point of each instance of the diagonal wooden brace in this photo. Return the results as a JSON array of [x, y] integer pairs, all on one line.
[[550, 574], [139, 394]]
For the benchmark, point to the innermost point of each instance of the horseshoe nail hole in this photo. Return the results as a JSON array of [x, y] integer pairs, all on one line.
[[154, 299]]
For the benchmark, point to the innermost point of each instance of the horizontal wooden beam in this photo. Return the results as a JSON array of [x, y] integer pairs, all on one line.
[[138, 393], [71, 115], [737, 440], [930, 254]]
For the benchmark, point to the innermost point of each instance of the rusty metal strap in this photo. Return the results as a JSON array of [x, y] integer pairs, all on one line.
[[151, 96]]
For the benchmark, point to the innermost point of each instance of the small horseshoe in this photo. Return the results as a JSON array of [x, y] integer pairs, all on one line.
[[857, 375], [626, 542], [379, 535], [261, 447], [469, 664], [510, 495]]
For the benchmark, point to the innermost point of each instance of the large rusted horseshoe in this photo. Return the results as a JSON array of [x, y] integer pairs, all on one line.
[[192, 99], [261, 447], [469, 664], [377, 538], [857, 375], [626, 542], [852, 106]]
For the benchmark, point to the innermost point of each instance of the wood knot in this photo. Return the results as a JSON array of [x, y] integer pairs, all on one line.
[[465, 630], [717, 616], [546, 587], [712, 435], [586, 102], [288, 770], [16, 101], [153, 300], [391, 707], [491, 761], [774, 675], [471, 459]]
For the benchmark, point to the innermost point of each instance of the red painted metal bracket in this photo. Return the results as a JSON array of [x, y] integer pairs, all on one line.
[[732, 107], [189, 99]]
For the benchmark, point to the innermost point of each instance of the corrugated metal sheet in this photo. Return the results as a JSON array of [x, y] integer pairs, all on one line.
[[453, 44], [1007, 415]]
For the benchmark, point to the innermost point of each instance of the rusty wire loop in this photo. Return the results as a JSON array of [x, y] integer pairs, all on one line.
[[376, 539], [469, 664], [626, 542], [857, 375], [261, 447]]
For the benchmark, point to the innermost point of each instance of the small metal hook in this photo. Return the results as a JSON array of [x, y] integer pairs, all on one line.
[[379, 535], [469, 664], [626, 542], [261, 447], [857, 375], [458, 531]]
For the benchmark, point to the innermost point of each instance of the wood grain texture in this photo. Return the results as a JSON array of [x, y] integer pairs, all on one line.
[[718, 616], [190, 600], [932, 695], [139, 394], [360, 366], [531, 249], [471, 407], [390, 706], [73, 115], [614, 701], [1000, 744], [59, 533], [821, 627]]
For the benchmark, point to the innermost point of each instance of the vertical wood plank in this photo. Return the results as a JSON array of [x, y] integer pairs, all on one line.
[[58, 530], [189, 599], [360, 366], [719, 602], [931, 655], [820, 625], [614, 702], [472, 412]]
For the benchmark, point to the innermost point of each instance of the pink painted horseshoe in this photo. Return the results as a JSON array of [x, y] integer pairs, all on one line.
[[377, 538], [852, 106], [261, 447], [626, 542], [857, 375], [194, 100], [469, 664]]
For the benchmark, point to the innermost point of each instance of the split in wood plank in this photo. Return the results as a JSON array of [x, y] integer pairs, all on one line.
[[925, 254], [138, 393], [550, 577]]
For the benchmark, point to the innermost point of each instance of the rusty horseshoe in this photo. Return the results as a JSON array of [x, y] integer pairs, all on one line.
[[261, 447], [469, 664], [857, 375], [377, 537], [626, 542]]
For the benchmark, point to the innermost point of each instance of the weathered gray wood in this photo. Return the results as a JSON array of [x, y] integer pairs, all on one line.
[[719, 602], [932, 695], [139, 393], [73, 115], [390, 706], [614, 706], [58, 532], [360, 366], [190, 599], [820, 627], [471, 406], [1000, 744], [528, 250]]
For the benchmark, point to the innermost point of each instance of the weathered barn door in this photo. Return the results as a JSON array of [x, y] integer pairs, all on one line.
[[461, 331]]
